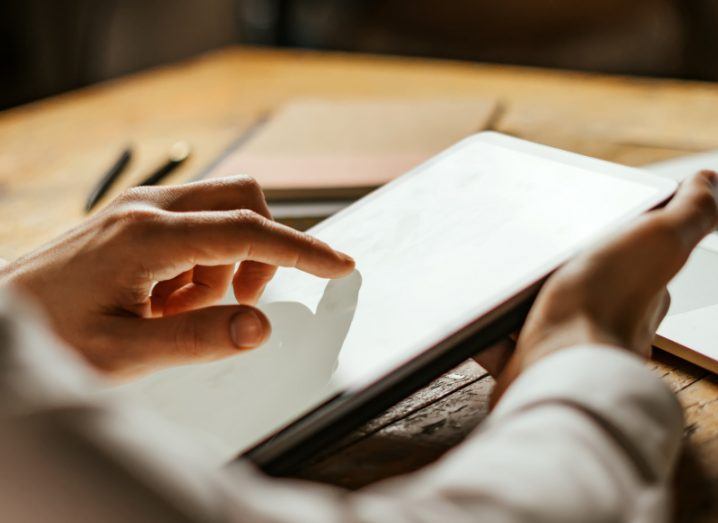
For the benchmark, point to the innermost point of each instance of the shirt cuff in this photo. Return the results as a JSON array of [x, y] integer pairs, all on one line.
[[615, 389]]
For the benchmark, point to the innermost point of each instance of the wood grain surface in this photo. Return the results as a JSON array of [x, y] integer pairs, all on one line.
[[53, 151]]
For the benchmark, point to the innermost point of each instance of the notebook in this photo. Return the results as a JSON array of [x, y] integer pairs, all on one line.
[[343, 149]]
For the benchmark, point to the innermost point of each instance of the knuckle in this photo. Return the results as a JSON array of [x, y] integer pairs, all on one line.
[[134, 217], [246, 182], [135, 194], [247, 218], [248, 187], [187, 338], [138, 215], [242, 185]]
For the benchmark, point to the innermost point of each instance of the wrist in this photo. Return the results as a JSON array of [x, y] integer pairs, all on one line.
[[576, 331], [534, 346]]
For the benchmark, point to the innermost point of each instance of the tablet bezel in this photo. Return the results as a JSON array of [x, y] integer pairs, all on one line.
[[282, 452]]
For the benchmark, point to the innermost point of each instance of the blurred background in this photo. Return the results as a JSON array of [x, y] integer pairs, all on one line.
[[51, 46]]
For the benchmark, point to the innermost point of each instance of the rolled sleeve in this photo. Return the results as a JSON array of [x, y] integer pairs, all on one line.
[[617, 390], [588, 434]]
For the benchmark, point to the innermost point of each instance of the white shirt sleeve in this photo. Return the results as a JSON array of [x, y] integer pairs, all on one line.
[[587, 434]]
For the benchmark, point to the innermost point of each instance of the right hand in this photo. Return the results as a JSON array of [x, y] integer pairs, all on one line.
[[615, 294], [131, 288]]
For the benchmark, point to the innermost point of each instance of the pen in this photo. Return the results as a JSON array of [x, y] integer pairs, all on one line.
[[243, 138], [178, 154], [108, 179]]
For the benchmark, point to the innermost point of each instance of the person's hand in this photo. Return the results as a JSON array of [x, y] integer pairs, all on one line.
[[616, 293], [131, 288]]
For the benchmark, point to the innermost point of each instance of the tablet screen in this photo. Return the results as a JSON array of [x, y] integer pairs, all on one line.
[[435, 250]]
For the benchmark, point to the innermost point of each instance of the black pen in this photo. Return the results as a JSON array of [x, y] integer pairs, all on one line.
[[178, 154], [108, 179]]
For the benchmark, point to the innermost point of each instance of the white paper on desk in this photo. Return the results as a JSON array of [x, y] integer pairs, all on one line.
[[683, 166], [434, 251], [690, 328]]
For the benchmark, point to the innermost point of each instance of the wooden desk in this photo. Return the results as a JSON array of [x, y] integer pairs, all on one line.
[[51, 153]]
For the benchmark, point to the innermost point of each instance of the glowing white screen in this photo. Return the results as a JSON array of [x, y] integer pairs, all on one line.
[[434, 251]]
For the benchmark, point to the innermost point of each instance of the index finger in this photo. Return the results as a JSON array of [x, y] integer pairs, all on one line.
[[219, 238]]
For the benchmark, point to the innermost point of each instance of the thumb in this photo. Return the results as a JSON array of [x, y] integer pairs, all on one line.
[[145, 344]]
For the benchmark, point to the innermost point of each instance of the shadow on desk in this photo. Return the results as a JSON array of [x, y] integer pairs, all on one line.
[[408, 439]]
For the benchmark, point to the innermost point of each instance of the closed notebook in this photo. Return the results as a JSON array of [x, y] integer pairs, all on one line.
[[311, 149]]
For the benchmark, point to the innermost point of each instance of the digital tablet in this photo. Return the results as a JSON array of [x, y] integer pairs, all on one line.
[[449, 258]]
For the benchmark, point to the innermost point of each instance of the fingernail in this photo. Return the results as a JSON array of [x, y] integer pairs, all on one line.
[[247, 329], [346, 258]]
